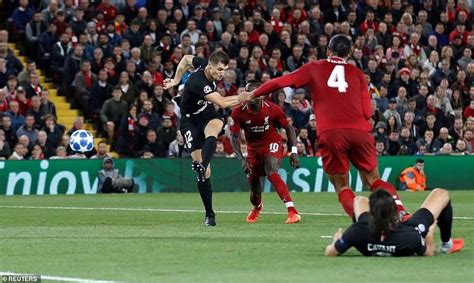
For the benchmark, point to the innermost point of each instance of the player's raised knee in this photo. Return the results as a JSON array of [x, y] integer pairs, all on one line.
[[439, 192]]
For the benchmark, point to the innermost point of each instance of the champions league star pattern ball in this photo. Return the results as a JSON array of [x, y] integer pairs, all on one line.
[[81, 141]]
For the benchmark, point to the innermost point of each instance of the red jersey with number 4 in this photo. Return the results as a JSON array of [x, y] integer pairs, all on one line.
[[338, 90], [260, 127]]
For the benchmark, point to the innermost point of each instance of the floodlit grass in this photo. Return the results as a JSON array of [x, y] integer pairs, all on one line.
[[139, 245]]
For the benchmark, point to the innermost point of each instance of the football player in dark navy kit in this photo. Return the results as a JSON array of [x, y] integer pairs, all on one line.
[[200, 122], [378, 231]]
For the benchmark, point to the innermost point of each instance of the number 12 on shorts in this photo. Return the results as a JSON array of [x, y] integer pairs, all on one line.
[[337, 79]]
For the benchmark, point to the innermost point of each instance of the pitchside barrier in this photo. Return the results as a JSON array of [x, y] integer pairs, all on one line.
[[51, 177]]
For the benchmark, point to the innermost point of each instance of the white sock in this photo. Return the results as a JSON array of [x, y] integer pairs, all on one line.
[[289, 204], [446, 247]]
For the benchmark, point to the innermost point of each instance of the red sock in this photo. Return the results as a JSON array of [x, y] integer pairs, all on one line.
[[346, 198], [381, 184], [256, 200], [282, 190]]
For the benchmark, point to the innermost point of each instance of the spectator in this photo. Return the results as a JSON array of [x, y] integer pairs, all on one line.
[[380, 148], [153, 146], [407, 140], [59, 51], [78, 124], [49, 107], [32, 87], [83, 82], [28, 129], [18, 152], [444, 137], [9, 132], [24, 76], [469, 141], [469, 110], [393, 144], [47, 149], [414, 178], [176, 148], [167, 132], [3, 101], [461, 148], [447, 149], [5, 150], [102, 151], [297, 59], [140, 134], [33, 30], [112, 111], [17, 120], [154, 118], [392, 111], [299, 117], [21, 16], [125, 132], [38, 110], [53, 131], [72, 65], [13, 65], [27, 145], [100, 91]]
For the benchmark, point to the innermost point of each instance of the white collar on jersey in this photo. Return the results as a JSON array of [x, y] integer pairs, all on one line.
[[263, 104], [337, 60]]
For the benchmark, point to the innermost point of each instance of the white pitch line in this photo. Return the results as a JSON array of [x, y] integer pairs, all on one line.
[[326, 237], [57, 278], [180, 210]]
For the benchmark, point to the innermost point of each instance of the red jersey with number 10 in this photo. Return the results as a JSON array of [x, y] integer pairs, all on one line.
[[260, 127], [338, 90]]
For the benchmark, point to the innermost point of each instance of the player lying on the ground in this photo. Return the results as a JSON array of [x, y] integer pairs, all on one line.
[[377, 230], [343, 108], [260, 119]]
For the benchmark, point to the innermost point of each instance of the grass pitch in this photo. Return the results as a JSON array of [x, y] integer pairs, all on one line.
[[161, 238]]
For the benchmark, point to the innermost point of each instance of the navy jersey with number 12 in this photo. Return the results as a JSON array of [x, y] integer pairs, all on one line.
[[193, 100]]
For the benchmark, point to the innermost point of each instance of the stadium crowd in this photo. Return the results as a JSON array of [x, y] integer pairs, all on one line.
[[110, 57]]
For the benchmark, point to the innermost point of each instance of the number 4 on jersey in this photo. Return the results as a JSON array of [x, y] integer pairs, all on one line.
[[337, 79]]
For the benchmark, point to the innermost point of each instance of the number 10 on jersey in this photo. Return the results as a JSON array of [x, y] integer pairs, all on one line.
[[337, 79]]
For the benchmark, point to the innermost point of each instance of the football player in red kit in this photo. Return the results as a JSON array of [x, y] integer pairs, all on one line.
[[260, 119], [343, 107]]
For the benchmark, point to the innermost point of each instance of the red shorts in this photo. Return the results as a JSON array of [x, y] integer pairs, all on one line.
[[339, 146], [256, 158]]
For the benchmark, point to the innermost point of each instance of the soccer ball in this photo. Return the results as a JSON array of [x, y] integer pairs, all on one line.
[[81, 141]]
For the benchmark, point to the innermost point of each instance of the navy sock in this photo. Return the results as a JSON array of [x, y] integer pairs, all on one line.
[[445, 222], [208, 150], [205, 190]]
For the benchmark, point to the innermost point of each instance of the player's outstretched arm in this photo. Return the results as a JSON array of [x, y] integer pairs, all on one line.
[[331, 249], [430, 245], [290, 132], [297, 78], [235, 142], [223, 102], [184, 65]]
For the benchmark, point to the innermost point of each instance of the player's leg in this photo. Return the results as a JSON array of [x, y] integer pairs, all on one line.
[[256, 189], [333, 146], [363, 157], [439, 204], [211, 132], [361, 205], [344, 192], [205, 190], [271, 165], [372, 179]]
